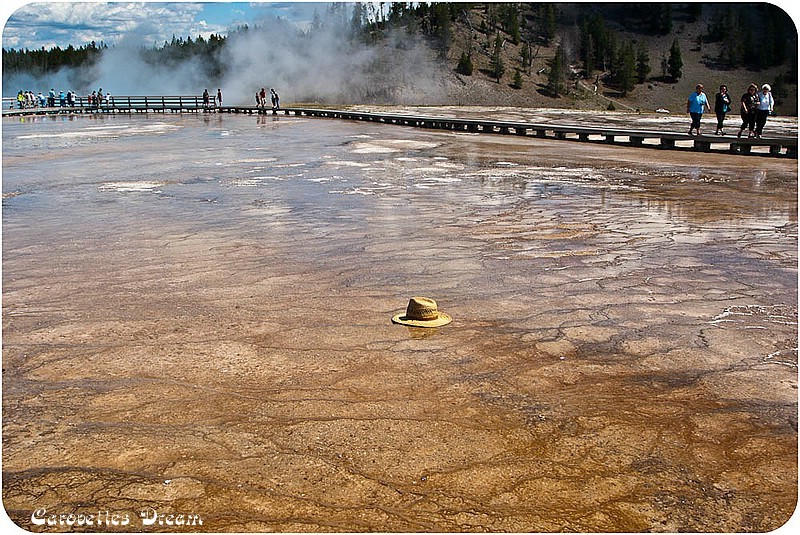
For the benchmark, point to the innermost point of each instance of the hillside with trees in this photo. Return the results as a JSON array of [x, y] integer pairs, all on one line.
[[595, 56], [624, 56]]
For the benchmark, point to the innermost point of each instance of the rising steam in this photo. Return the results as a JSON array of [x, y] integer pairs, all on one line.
[[321, 64]]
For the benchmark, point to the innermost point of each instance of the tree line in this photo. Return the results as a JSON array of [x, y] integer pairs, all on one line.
[[44, 61]]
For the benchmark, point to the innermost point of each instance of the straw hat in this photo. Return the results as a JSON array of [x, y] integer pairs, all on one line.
[[422, 312]]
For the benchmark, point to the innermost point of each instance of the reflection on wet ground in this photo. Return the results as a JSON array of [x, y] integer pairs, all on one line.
[[196, 321]]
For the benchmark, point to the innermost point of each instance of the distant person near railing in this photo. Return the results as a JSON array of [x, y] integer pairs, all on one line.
[[276, 100]]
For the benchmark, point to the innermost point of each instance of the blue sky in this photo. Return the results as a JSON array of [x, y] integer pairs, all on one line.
[[60, 23]]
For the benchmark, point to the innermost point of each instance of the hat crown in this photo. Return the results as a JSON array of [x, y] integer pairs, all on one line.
[[422, 312], [422, 309]]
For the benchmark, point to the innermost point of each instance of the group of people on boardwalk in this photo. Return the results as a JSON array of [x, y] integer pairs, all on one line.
[[261, 98], [207, 98], [54, 99], [754, 107], [28, 99], [98, 99]]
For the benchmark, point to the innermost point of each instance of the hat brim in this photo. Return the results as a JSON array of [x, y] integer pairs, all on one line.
[[443, 319]]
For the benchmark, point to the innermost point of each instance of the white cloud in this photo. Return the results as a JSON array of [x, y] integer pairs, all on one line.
[[78, 23]]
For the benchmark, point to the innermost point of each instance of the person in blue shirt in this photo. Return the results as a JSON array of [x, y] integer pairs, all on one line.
[[696, 104]]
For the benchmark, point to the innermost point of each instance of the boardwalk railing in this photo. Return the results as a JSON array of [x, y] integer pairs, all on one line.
[[773, 146], [113, 103], [158, 103]]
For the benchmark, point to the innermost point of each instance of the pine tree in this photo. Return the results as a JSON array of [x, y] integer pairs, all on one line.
[[441, 26], [517, 83], [526, 58], [465, 65], [549, 17], [624, 69], [675, 63], [589, 55], [557, 77], [357, 31], [661, 17], [511, 22], [498, 66], [642, 64], [598, 45]]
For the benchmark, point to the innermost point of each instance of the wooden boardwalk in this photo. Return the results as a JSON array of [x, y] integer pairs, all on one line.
[[768, 146], [773, 146]]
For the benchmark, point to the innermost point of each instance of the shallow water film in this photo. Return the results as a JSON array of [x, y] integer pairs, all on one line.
[[197, 330]]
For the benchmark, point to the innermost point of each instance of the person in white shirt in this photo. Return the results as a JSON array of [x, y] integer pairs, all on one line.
[[764, 109]]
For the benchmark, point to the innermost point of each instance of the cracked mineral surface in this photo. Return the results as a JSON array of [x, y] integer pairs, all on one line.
[[197, 334]]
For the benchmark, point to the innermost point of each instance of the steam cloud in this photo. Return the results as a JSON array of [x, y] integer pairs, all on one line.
[[322, 65]]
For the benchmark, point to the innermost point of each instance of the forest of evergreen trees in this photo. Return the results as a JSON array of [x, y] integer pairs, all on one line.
[[42, 61], [753, 36]]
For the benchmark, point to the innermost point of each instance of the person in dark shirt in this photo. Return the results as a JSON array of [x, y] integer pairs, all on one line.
[[749, 103], [722, 105]]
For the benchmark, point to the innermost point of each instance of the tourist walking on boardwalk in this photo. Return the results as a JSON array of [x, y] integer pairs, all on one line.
[[263, 98], [696, 104], [749, 103], [206, 98], [276, 100], [219, 97], [722, 105], [764, 108]]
